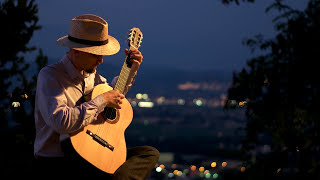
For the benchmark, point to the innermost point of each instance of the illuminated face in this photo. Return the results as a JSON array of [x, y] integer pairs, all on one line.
[[87, 62]]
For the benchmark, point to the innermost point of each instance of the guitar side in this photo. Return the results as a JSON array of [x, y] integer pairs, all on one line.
[[92, 143]]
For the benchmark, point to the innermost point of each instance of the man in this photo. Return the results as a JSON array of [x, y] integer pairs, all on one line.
[[63, 103]]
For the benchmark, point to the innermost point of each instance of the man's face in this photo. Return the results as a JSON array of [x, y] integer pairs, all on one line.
[[88, 62]]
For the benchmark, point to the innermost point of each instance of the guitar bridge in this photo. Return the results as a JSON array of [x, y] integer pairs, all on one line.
[[99, 140]]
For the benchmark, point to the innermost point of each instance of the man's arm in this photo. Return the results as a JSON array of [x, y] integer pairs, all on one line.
[[52, 104]]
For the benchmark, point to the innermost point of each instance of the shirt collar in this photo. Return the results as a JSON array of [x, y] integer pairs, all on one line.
[[72, 71]]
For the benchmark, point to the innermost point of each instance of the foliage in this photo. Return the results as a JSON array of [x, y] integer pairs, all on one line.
[[19, 22], [281, 92]]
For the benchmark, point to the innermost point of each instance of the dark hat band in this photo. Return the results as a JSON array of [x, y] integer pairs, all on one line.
[[87, 42]]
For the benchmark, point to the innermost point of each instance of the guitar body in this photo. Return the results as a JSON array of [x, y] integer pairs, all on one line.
[[92, 143]]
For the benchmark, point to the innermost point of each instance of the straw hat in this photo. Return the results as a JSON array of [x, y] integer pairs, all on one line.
[[89, 33]]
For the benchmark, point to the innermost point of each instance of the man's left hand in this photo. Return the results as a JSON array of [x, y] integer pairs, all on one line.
[[135, 57]]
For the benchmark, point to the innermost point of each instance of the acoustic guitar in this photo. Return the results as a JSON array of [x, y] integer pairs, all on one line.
[[103, 144]]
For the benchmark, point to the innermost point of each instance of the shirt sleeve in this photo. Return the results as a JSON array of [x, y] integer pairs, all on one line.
[[52, 104]]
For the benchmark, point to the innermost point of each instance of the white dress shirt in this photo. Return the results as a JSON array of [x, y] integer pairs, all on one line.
[[63, 104]]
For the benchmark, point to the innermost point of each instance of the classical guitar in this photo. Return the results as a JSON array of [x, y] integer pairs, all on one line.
[[103, 144]]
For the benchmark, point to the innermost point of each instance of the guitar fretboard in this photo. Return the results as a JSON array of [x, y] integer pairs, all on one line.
[[123, 76]]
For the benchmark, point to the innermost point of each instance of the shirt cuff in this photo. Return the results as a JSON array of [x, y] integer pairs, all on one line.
[[100, 102]]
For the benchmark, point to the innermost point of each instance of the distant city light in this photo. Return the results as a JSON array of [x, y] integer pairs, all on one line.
[[133, 103], [170, 175], [146, 104], [278, 170], [24, 96], [158, 169], [215, 175], [208, 175], [15, 104], [242, 169], [201, 169], [173, 166], [224, 164], [213, 164], [162, 166], [198, 102], [242, 103], [181, 101], [161, 100], [139, 96], [145, 96], [193, 167]]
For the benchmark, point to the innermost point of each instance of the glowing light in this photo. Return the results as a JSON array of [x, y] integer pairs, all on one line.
[[162, 166], [158, 169], [278, 170], [224, 164], [133, 103], [198, 102], [145, 96], [170, 175], [175, 172], [213, 164], [181, 101], [242, 103], [161, 100], [206, 171], [15, 104], [139, 96], [242, 169], [215, 175], [201, 169], [179, 173], [24, 96], [193, 167], [145, 104], [173, 166], [208, 175]]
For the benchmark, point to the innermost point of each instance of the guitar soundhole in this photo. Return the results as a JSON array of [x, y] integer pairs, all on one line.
[[109, 113]]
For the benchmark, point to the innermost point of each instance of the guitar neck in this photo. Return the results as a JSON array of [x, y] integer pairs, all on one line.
[[123, 76], [135, 37]]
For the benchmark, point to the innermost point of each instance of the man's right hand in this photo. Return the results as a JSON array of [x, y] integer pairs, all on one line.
[[113, 98]]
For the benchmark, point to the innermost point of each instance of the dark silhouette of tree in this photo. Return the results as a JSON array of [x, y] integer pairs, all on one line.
[[280, 92], [17, 81]]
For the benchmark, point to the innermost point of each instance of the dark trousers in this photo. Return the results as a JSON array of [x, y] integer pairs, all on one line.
[[140, 161]]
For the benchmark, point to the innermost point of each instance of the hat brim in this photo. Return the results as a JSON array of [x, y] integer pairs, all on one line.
[[112, 47]]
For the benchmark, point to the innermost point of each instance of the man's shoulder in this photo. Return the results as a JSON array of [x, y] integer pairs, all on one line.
[[52, 69]]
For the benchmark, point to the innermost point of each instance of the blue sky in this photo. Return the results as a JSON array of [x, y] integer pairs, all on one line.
[[183, 34]]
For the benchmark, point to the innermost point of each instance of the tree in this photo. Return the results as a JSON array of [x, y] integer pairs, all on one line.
[[281, 93], [19, 22]]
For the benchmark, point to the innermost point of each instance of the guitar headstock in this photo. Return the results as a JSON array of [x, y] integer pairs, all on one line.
[[135, 38]]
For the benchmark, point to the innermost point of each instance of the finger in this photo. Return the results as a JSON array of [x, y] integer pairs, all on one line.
[[126, 51], [136, 61]]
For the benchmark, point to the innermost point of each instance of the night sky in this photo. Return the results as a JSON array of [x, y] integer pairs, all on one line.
[[184, 34]]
